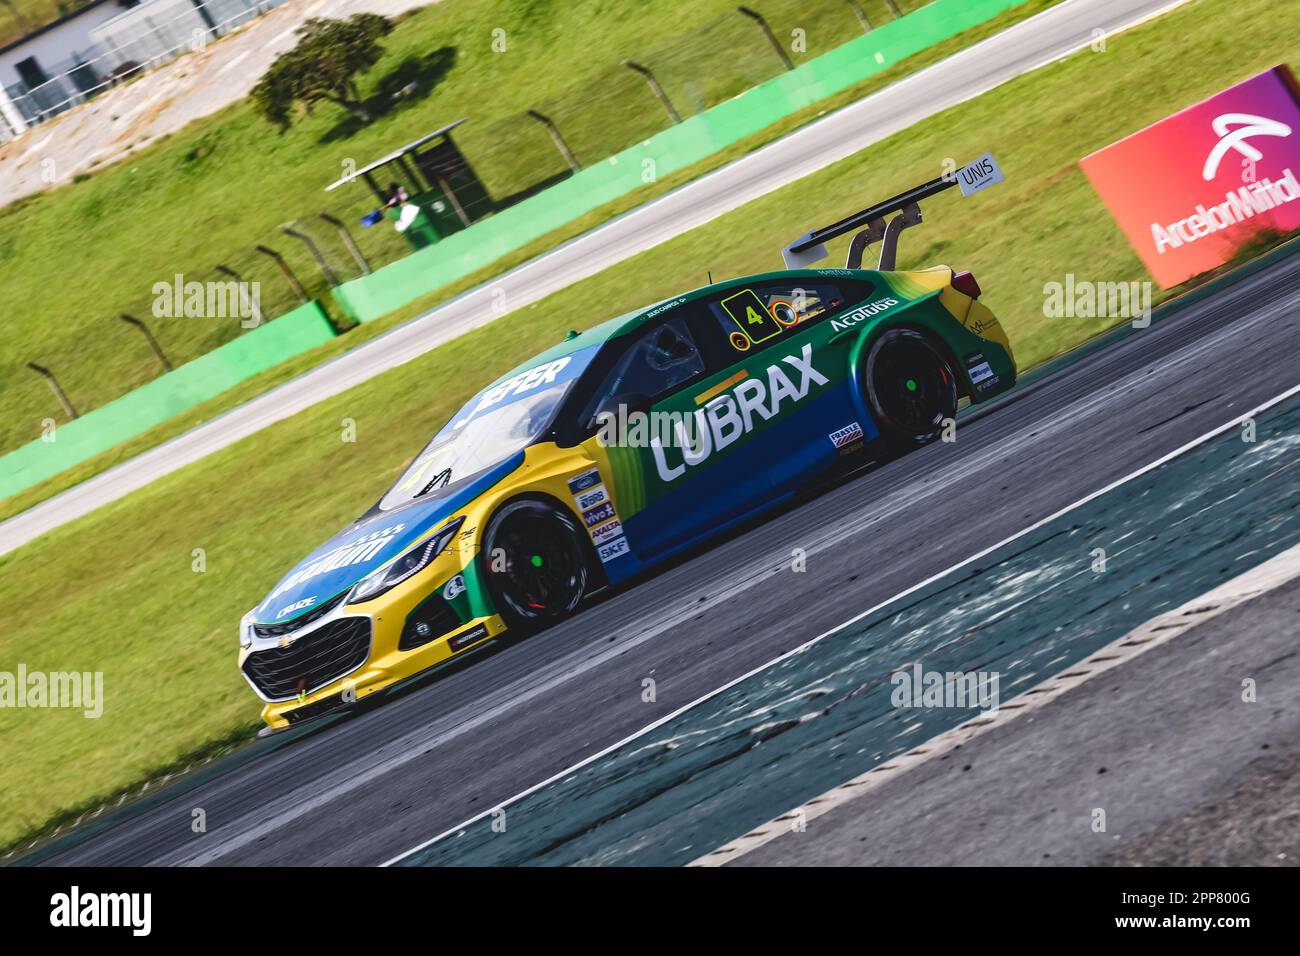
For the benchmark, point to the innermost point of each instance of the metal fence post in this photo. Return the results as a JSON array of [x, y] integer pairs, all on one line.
[[560, 144], [325, 269], [58, 391], [148, 337], [288, 272], [225, 270], [767, 32], [655, 88], [349, 242], [861, 15]]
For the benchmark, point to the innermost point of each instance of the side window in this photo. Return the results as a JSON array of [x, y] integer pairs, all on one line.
[[659, 361], [755, 317]]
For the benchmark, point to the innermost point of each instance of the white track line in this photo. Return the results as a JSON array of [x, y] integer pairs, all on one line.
[[1194, 443], [1159, 630]]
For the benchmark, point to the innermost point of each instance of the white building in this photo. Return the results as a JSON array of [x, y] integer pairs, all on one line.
[[66, 61]]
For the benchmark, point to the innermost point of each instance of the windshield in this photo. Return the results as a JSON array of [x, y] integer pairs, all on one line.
[[492, 426]]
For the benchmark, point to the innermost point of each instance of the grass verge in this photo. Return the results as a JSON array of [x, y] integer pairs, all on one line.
[[73, 258], [262, 383], [117, 591]]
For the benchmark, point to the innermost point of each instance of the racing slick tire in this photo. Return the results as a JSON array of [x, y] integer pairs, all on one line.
[[911, 388], [537, 567]]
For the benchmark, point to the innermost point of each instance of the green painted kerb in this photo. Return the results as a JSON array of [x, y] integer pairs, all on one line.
[[166, 396], [675, 148]]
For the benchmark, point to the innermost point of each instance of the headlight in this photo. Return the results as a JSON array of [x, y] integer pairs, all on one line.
[[412, 562], [246, 631]]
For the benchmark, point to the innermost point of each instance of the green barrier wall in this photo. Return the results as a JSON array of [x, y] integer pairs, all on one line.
[[166, 396], [464, 252], [688, 142]]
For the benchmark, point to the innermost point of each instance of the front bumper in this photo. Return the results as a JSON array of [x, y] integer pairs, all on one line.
[[354, 651]]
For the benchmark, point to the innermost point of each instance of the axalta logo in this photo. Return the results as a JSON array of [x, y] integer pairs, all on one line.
[[734, 413], [1246, 125], [852, 318]]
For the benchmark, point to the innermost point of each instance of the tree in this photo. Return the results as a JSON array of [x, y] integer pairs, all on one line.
[[323, 66]]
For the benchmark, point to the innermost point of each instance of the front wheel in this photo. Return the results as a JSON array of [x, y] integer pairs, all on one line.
[[911, 388], [537, 570]]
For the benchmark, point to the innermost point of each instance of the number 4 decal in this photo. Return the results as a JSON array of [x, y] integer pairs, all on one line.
[[751, 316]]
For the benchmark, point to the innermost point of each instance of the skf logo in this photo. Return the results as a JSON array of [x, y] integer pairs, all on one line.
[[1247, 125]]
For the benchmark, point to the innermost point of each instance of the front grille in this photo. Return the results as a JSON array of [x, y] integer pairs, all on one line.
[[298, 623], [437, 614], [312, 661]]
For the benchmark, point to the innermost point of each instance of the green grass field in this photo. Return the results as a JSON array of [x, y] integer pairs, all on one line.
[[79, 255], [358, 334], [20, 17], [115, 591]]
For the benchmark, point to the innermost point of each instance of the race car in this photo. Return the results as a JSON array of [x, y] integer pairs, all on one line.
[[621, 447]]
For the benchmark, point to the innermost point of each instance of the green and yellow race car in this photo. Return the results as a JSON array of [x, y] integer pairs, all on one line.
[[621, 447]]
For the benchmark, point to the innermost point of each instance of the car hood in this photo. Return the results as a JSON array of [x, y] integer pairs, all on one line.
[[366, 544]]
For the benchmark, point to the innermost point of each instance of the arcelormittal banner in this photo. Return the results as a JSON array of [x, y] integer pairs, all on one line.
[[1189, 190]]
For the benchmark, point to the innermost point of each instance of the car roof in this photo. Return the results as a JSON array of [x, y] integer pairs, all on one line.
[[629, 322]]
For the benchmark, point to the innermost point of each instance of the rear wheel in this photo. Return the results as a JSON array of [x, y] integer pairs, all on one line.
[[910, 386], [537, 570]]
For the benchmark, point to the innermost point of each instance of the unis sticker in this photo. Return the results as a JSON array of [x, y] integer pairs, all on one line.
[[466, 638], [454, 589], [981, 174], [584, 481], [591, 498], [598, 514], [751, 316], [848, 434], [615, 549], [607, 532]]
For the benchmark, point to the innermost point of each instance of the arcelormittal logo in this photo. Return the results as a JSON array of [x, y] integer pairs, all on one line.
[[1246, 127]]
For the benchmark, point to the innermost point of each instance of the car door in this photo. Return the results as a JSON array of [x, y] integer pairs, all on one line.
[[669, 456], [771, 344]]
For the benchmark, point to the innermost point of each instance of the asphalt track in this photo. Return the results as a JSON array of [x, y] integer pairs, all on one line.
[[1019, 49], [366, 788], [1192, 777]]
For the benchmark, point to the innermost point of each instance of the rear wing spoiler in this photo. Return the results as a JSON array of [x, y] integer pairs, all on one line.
[[870, 226]]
